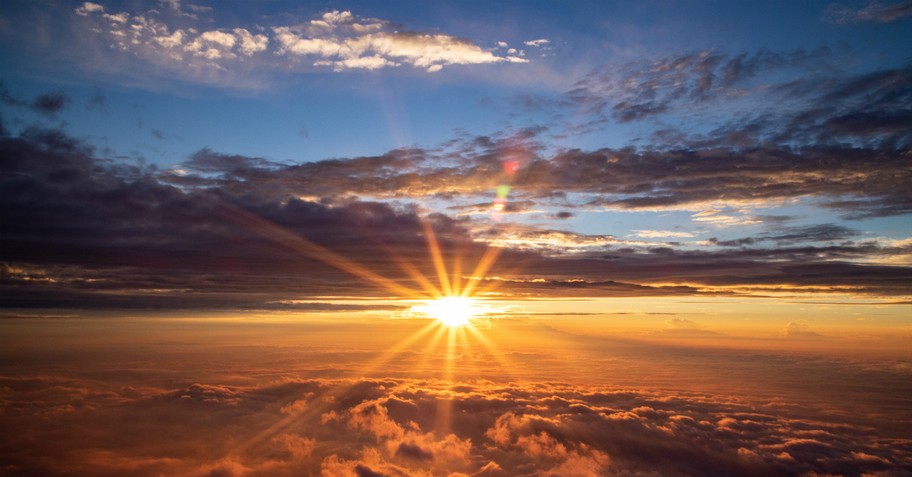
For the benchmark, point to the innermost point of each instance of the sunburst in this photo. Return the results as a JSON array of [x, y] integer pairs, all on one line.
[[451, 311], [454, 309]]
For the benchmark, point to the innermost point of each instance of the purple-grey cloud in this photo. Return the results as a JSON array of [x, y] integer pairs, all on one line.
[[235, 232], [47, 104], [862, 182]]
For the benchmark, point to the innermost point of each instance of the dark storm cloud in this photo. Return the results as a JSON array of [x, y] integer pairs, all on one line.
[[387, 427]]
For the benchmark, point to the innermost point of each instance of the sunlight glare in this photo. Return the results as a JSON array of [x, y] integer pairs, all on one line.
[[452, 311]]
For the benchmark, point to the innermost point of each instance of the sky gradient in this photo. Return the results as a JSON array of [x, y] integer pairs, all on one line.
[[675, 224]]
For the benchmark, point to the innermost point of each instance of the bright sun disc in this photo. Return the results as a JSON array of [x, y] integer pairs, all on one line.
[[452, 311]]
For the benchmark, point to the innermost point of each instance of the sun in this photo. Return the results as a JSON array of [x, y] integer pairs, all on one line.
[[452, 311]]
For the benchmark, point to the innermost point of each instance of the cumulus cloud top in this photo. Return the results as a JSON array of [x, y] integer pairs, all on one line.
[[388, 427]]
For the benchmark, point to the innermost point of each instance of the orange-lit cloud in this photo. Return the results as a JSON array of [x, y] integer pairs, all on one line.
[[386, 426]]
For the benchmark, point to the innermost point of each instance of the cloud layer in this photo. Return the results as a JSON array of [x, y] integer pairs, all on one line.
[[391, 427], [239, 232]]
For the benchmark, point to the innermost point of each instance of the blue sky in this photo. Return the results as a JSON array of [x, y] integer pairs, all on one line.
[[301, 113]]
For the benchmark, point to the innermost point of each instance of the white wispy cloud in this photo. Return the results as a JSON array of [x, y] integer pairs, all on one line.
[[725, 218], [662, 234], [337, 40], [342, 41], [88, 8], [874, 12]]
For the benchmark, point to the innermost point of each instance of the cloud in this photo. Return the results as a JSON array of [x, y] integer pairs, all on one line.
[[47, 104], [682, 323], [50, 104], [506, 207], [545, 241], [818, 104], [98, 102], [59, 192], [85, 232], [875, 11], [180, 42], [88, 8], [639, 90], [148, 37], [718, 183], [342, 42], [801, 329], [387, 427], [789, 235], [662, 234], [563, 215], [537, 43], [688, 328]]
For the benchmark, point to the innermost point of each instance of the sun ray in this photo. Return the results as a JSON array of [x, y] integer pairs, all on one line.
[[504, 363], [431, 347], [324, 400], [444, 418], [310, 249], [389, 354], [457, 274], [481, 268], [413, 272], [320, 403], [485, 286], [452, 322], [437, 259]]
